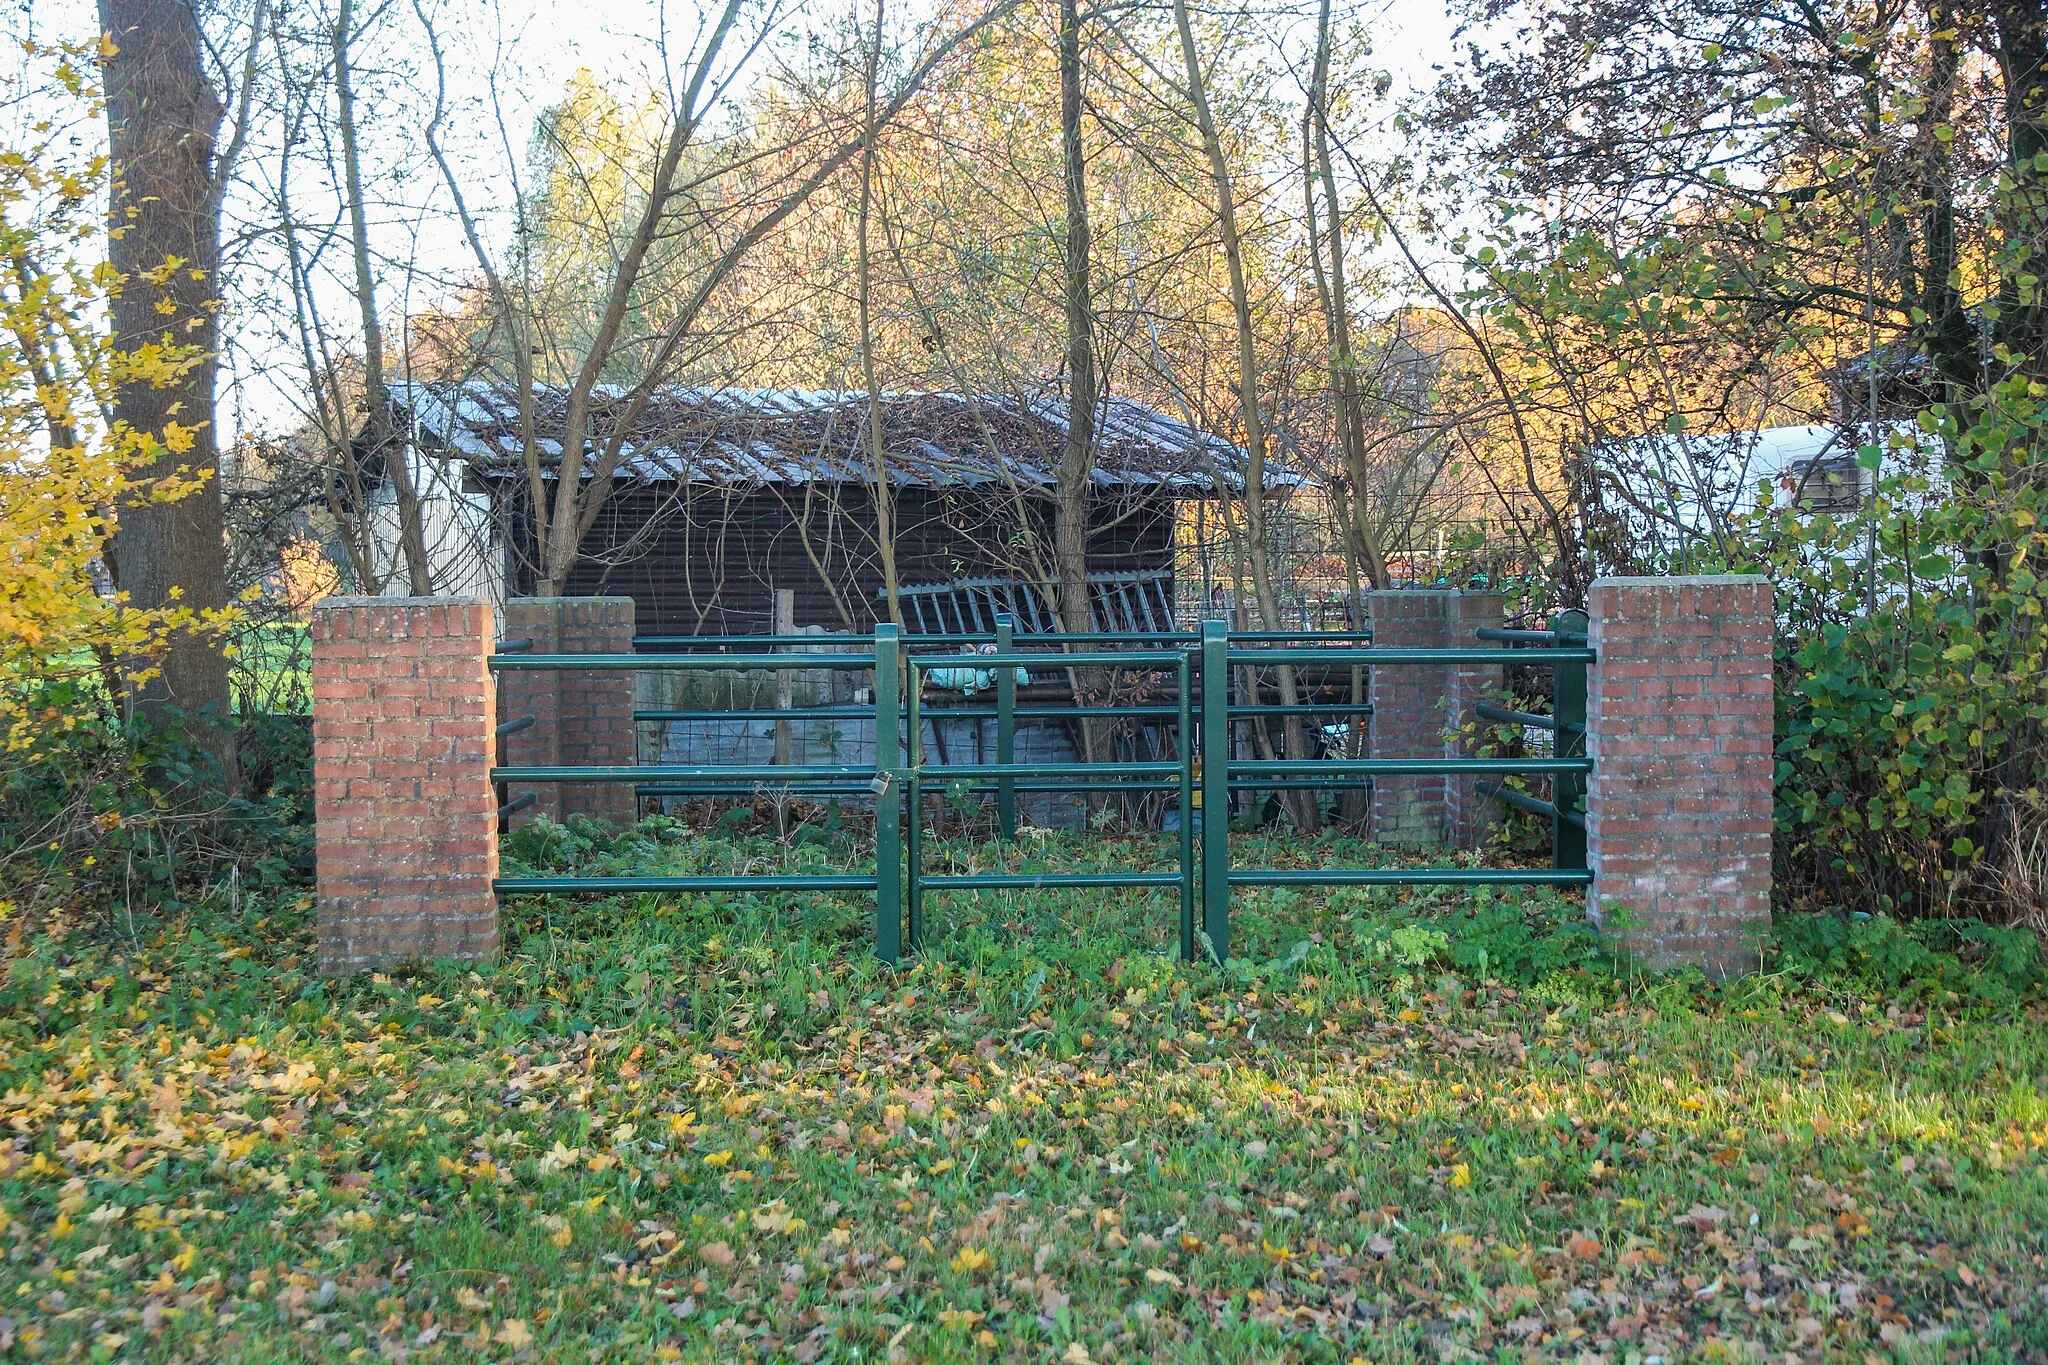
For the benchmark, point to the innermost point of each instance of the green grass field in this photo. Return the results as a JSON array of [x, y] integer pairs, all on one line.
[[1429, 1126]]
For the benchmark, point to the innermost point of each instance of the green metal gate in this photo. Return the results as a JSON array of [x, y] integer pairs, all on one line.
[[1204, 772]]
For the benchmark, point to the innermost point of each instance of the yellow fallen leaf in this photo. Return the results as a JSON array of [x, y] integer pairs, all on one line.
[[1461, 1177], [679, 1124], [1157, 1276], [515, 1335], [970, 1259], [719, 1158]]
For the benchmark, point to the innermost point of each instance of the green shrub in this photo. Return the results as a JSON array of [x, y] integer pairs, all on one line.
[[103, 814], [1909, 960], [1913, 680]]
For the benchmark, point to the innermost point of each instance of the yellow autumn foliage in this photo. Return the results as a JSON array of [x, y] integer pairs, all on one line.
[[65, 465]]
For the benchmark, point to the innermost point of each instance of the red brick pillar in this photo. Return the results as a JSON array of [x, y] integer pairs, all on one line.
[[406, 821], [581, 719], [1419, 711], [1678, 807]]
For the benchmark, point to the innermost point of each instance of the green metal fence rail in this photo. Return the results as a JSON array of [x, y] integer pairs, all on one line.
[[1217, 874], [880, 659], [1566, 809], [1006, 771], [1201, 717]]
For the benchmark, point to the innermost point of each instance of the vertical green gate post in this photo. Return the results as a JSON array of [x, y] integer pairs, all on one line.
[[1185, 793], [913, 836], [1006, 728], [1568, 790], [888, 797], [1215, 753]]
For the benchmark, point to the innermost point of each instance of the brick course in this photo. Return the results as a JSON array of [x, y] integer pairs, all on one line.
[[580, 718], [1678, 808], [1418, 710], [405, 819]]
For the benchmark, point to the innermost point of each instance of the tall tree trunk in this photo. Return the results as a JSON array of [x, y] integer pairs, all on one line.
[[378, 439], [1952, 340], [1336, 301], [2022, 325], [2021, 331], [163, 117], [1077, 458], [1303, 806], [885, 520]]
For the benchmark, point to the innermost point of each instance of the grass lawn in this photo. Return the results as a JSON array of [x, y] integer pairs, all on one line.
[[1429, 1125]]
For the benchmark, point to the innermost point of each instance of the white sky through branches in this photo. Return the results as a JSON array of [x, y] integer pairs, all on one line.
[[505, 63]]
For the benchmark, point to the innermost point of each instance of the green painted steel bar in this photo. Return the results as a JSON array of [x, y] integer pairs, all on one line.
[[1185, 735], [1024, 784], [1006, 729], [644, 663], [1083, 771], [1410, 876], [1568, 790], [913, 838], [794, 713], [1055, 640], [675, 642], [753, 789], [1532, 637], [1486, 710], [1288, 637], [1333, 767], [1047, 638], [656, 772], [1030, 881], [1369, 657], [1216, 788], [1022, 713], [934, 714], [1126, 658], [888, 815], [612, 886], [1508, 796]]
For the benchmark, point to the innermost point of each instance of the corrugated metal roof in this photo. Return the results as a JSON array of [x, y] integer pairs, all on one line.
[[755, 437]]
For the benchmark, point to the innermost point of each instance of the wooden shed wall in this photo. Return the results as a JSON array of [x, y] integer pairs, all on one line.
[[710, 565]]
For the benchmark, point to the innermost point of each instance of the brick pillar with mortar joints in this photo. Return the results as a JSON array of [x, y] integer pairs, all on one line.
[[1678, 806], [1421, 711], [581, 719], [404, 815]]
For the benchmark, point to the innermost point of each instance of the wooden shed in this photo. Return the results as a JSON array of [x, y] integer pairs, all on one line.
[[726, 495]]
